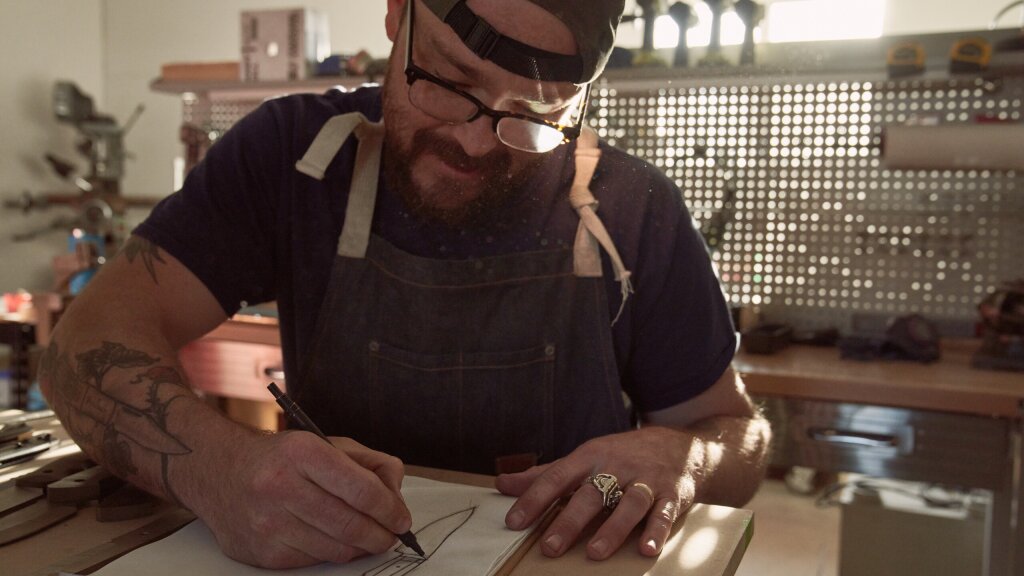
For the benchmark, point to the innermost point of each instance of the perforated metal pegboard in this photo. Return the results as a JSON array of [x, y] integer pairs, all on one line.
[[784, 178], [216, 115]]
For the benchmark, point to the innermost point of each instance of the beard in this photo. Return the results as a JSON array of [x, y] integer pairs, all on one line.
[[473, 205]]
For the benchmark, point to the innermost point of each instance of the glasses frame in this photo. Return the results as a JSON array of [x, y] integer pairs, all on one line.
[[414, 73]]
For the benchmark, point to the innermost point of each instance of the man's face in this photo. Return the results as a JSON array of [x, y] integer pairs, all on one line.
[[461, 175]]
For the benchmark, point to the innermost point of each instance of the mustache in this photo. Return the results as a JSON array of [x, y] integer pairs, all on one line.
[[496, 161]]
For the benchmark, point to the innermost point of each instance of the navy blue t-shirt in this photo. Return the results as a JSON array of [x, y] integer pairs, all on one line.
[[248, 227]]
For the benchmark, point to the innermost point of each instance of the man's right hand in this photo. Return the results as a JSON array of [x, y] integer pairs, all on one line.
[[111, 374], [289, 500]]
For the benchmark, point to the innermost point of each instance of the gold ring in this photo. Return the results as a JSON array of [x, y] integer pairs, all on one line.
[[645, 488], [608, 486]]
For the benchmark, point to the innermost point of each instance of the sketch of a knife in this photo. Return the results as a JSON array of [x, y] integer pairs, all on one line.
[[433, 535]]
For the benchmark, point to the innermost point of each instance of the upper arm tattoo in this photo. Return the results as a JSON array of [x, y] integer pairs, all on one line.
[[137, 247]]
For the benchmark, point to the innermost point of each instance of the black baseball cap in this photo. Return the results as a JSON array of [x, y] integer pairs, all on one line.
[[592, 22]]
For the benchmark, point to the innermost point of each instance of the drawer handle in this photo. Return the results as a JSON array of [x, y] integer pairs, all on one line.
[[865, 439], [274, 373]]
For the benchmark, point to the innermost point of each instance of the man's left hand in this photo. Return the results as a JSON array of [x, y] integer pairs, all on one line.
[[655, 468]]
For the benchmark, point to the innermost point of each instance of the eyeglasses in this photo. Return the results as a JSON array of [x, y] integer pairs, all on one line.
[[442, 101]]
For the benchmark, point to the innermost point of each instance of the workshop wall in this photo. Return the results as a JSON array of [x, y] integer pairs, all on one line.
[[143, 35], [113, 49], [41, 42]]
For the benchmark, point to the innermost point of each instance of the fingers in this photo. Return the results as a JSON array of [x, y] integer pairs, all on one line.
[[296, 544], [659, 526], [638, 503], [308, 541], [335, 521], [546, 485], [635, 504], [585, 505], [566, 528], [389, 469], [360, 488], [516, 484]]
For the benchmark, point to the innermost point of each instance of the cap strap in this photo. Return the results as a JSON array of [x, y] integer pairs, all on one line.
[[512, 55]]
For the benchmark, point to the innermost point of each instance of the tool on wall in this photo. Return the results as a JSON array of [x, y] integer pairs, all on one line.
[[906, 59], [714, 57], [751, 13], [96, 227], [1016, 43], [103, 139], [970, 55], [684, 17], [647, 56], [197, 142]]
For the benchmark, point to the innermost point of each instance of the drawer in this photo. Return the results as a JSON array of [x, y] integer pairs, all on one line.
[[233, 369], [916, 445]]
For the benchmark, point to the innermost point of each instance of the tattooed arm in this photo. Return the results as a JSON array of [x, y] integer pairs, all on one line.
[[111, 370], [111, 373]]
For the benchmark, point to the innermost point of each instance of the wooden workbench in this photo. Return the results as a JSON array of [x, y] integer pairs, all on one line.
[[708, 541], [949, 385]]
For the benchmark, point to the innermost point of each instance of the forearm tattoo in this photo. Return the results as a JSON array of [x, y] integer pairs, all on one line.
[[125, 426], [137, 247]]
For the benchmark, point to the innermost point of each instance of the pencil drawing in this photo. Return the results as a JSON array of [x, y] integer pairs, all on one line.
[[431, 537]]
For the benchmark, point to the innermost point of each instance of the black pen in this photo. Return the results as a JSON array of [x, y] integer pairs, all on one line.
[[292, 410]]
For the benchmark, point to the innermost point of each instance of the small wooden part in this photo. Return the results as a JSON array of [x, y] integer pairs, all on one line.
[[15, 432], [91, 484], [54, 471], [15, 498], [94, 558], [32, 520], [125, 503]]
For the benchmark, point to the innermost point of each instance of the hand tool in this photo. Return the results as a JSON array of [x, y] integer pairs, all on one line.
[[681, 13], [970, 55], [906, 59], [751, 13], [17, 450]]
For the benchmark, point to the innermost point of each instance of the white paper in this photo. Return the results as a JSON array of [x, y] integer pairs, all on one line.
[[461, 529]]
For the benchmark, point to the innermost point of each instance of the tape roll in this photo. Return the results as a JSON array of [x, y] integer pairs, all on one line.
[[955, 146]]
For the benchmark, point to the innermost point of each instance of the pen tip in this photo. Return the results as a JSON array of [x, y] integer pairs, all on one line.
[[410, 542]]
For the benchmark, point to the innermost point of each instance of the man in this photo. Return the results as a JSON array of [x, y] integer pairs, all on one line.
[[468, 310]]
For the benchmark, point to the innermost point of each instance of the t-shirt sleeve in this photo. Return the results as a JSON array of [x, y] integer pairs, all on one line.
[[683, 335], [220, 225]]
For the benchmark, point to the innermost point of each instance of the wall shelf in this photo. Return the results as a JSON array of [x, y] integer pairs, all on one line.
[[238, 90]]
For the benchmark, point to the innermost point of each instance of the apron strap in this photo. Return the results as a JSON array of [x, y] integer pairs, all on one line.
[[591, 231], [327, 143], [362, 197]]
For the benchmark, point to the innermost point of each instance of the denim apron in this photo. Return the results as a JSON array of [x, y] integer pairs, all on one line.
[[461, 364]]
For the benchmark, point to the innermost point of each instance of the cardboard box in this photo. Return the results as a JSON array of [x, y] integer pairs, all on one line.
[[887, 533], [282, 45]]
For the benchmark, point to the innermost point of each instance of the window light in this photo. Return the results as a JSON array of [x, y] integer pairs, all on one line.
[[805, 20]]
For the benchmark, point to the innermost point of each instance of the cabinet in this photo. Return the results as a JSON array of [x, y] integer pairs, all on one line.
[[943, 422]]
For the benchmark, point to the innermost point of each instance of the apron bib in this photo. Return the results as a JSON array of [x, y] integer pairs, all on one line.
[[459, 364]]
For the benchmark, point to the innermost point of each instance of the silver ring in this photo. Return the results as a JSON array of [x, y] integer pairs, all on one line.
[[608, 486]]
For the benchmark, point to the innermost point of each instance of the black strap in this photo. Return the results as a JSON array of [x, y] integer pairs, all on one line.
[[512, 55]]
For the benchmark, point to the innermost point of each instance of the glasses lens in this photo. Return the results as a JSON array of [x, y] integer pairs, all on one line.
[[439, 102], [528, 136]]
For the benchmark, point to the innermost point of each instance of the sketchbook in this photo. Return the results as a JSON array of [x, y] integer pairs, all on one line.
[[461, 529]]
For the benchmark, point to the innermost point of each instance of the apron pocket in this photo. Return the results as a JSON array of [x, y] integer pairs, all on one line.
[[462, 410]]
